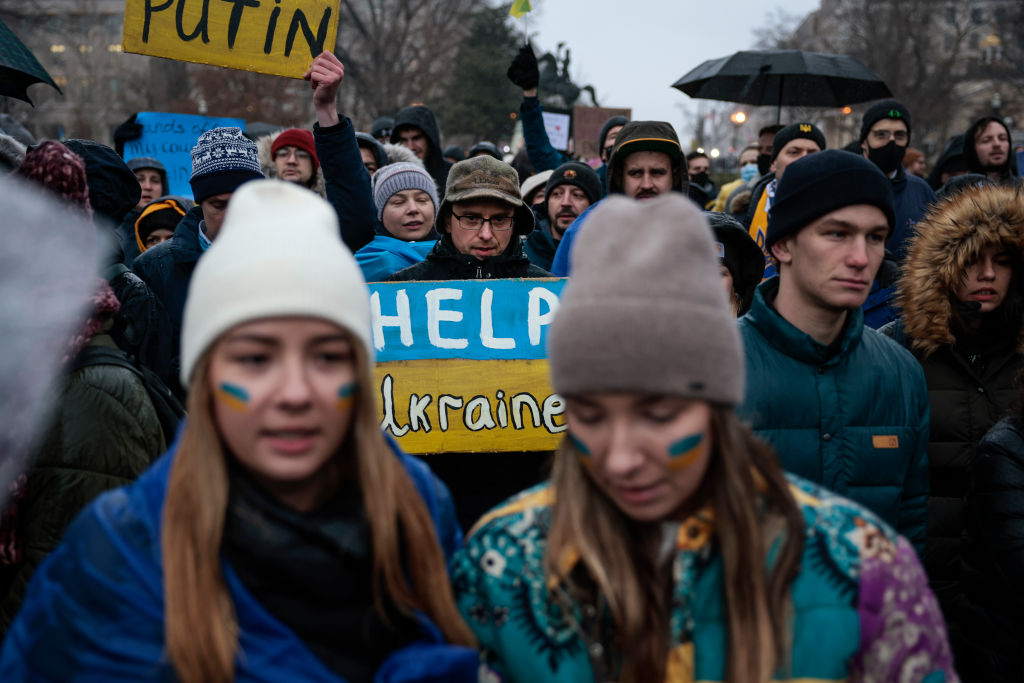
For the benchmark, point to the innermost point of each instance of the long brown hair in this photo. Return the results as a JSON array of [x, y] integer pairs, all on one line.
[[200, 623], [619, 556]]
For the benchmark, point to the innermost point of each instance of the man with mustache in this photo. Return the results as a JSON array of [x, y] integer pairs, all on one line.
[[647, 161], [570, 191], [841, 404]]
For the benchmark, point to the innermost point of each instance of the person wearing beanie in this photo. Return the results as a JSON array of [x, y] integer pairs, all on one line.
[[158, 220], [484, 147], [222, 160], [482, 221], [647, 161], [742, 263], [668, 543], [454, 154], [381, 127], [59, 170], [152, 177], [416, 128], [406, 206], [884, 135], [290, 155], [841, 404], [961, 316], [570, 190], [792, 142], [280, 501], [533, 189], [987, 147]]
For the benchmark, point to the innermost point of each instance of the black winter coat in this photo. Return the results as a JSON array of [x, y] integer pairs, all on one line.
[[539, 246], [445, 262], [993, 560], [347, 182]]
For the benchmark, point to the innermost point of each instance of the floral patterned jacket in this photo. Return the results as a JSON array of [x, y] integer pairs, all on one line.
[[862, 609]]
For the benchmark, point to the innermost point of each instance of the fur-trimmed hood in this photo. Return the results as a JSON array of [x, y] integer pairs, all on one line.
[[948, 239], [12, 153], [263, 146]]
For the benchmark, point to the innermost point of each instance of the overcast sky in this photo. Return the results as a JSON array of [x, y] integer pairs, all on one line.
[[632, 51]]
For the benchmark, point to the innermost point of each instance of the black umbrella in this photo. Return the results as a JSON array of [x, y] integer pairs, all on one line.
[[784, 77], [19, 68]]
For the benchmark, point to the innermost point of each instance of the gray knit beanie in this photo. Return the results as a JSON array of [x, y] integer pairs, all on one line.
[[652, 318], [401, 176]]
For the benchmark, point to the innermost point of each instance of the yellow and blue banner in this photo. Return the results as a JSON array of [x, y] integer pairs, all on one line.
[[462, 365]]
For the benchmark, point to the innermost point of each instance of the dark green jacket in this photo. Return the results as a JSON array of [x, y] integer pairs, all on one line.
[[104, 433], [852, 417]]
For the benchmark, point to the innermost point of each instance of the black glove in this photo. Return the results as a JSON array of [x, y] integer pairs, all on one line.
[[523, 70], [126, 132]]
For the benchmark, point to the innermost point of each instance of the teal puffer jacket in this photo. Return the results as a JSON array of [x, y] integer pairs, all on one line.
[[853, 417]]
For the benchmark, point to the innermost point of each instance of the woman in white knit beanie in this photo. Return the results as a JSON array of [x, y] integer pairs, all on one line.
[[284, 536]]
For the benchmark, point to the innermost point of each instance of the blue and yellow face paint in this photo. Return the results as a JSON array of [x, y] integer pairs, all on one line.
[[583, 453], [346, 396], [684, 453], [233, 396]]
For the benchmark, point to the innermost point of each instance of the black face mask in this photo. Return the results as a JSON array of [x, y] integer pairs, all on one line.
[[888, 157], [701, 179], [764, 163]]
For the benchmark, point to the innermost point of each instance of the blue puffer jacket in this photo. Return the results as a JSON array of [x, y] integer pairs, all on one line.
[[95, 608], [854, 419], [386, 255]]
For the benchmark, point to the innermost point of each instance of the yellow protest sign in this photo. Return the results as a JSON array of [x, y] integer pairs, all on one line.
[[279, 37], [462, 367]]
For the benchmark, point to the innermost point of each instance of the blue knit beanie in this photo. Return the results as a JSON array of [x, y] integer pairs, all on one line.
[[223, 159], [401, 176]]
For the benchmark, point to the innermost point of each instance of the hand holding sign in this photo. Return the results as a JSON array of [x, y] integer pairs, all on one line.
[[325, 75]]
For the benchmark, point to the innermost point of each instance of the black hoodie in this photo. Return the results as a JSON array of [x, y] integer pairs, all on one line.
[[419, 116]]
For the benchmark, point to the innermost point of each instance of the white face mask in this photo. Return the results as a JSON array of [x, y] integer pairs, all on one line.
[[748, 172]]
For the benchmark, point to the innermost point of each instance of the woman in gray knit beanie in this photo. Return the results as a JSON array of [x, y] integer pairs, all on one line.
[[668, 543]]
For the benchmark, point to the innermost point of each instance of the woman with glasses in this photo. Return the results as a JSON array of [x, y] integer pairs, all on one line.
[[668, 544], [482, 222]]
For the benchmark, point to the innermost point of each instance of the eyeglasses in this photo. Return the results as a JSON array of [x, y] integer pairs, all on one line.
[[286, 152], [885, 135], [474, 222]]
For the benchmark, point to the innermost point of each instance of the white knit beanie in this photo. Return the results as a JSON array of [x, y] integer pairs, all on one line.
[[278, 253]]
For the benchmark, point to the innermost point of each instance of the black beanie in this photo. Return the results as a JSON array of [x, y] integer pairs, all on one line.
[[886, 109], [608, 125], [575, 173], [795, 131], [820, 183]]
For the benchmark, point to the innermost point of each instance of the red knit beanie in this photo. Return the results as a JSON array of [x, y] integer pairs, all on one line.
[[60, 170], [296, 137]]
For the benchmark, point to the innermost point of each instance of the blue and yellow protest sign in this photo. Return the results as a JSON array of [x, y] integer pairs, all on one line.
[[169, 139], [279, 37], [462, 366]]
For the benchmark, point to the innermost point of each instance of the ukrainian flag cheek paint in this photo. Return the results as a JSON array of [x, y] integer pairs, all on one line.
[[684, 453], [581, 448], [346, 396], [233, 396]]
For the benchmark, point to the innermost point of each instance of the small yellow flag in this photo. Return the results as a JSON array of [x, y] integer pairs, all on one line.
[[519, 8]]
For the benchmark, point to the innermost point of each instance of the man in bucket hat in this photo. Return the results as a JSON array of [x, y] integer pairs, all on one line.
[[481, 221]]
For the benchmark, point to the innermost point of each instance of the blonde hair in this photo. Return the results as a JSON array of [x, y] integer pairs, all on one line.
[[200, 623], [619, 556]]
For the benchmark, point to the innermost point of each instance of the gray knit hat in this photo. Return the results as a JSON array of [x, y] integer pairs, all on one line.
[[652, 318], [401, 176], [222, 159]]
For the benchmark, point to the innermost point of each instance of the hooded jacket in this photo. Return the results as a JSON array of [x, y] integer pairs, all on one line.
[[419, 116], [263, 147], [970, 377], [445, 262], [1006, 171], [635, 136], [852, 416], [107, 578]]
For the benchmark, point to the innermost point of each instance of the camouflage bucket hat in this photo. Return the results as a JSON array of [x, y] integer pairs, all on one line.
[[485, 177]]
